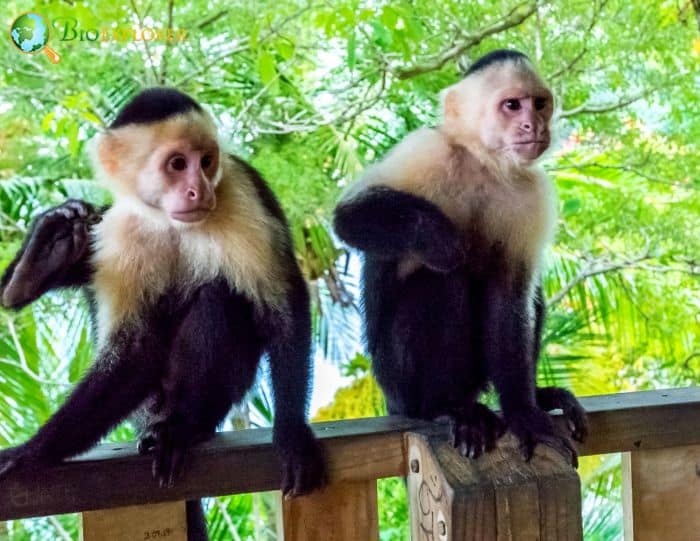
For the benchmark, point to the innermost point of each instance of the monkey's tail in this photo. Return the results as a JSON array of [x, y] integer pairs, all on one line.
[[196, 523]]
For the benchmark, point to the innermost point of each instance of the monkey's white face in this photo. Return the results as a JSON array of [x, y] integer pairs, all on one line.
[[180, 180], [522, 118], [171, 167], [506, 109]]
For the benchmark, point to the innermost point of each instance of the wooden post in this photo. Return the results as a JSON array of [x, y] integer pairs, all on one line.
[[498, 497], [344, 511], [167, 521], [661, 494]]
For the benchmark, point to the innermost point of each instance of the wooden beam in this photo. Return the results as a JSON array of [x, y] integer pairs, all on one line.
[[498, 497], [661, 494], [642, 420], [114, 475], [157, 521], [344, 511]]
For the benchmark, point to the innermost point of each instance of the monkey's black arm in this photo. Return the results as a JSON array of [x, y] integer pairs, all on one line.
[[55, 254], [551, 398], [508, 350], [119, 380], [289, 351], [390, 224]]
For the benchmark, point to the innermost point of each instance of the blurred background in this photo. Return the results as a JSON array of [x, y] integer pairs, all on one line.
[[311, 92]]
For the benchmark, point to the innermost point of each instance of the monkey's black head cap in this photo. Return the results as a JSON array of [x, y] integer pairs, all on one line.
[[498, 56], [153, 105]]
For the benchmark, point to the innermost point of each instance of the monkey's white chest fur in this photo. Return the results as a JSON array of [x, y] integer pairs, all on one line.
[[138, 260]]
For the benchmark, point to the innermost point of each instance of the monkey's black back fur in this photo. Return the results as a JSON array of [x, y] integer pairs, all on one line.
[[153, 105], [495, 57]]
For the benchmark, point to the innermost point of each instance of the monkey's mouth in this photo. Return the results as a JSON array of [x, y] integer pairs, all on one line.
[[191, 216], [532, 142], [530, 150]]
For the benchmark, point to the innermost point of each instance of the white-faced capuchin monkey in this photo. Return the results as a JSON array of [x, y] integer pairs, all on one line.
[[453, 224], [191, 277]]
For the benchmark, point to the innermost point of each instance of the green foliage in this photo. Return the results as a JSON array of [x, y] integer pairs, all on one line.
[[312, 92]]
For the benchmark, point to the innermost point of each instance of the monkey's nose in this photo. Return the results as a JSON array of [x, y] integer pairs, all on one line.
[[526, 126], [192, 193]]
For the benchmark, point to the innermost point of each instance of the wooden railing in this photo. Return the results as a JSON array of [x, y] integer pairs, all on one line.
[[497, 497]]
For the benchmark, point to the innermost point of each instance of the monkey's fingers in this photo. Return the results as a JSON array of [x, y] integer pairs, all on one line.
[[146, 444], [577, 421], [169, 449]]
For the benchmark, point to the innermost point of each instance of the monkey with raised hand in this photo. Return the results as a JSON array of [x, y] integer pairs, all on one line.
[[453, 224], [191, 278]]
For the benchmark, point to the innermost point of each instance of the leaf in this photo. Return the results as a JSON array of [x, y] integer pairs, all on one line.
[[389, 17], [267, 68], [571, 206], [352, 48], [285, 49], [72, 132], [381, 34], [46, 121]]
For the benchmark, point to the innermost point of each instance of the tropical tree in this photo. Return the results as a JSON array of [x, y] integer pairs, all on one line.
[[310, 92]]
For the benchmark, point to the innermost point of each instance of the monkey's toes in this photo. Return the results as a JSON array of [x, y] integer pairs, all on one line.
[[169, 448]]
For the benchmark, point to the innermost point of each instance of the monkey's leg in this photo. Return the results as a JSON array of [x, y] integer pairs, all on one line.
[[550, 398], [288, 336], [508, 356], [121, 377], [391, 224], [212, 363], [55, 254]]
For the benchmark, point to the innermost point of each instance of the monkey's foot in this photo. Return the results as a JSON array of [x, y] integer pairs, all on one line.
[[58, 239], [303, 463], [475, 431], [551, 398], [167, 442], [533, 426]]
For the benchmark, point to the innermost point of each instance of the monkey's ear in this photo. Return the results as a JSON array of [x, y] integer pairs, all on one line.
[[106, 150], [451, 105]]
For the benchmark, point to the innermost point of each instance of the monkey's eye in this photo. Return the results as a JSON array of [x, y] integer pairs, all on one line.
[[512, 104], [178, 163], [540, 103], [206, 161]]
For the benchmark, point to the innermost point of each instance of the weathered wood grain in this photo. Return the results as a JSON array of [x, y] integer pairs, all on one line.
[[498, 497], [114, 475]]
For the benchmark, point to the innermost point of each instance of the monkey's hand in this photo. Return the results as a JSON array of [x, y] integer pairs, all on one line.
[[440, 246], [303, 463], [532, 426], [476, 430], [550, 398], [59, 238]]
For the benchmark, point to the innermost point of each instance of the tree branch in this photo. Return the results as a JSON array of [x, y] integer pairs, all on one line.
[[168, 44], [639, 262], [696, 7], [140, 18], [516, 16], [594, 269], [597, 10], [586, 108]]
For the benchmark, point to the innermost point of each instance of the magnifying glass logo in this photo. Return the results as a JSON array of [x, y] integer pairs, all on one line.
[[30, 34]]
